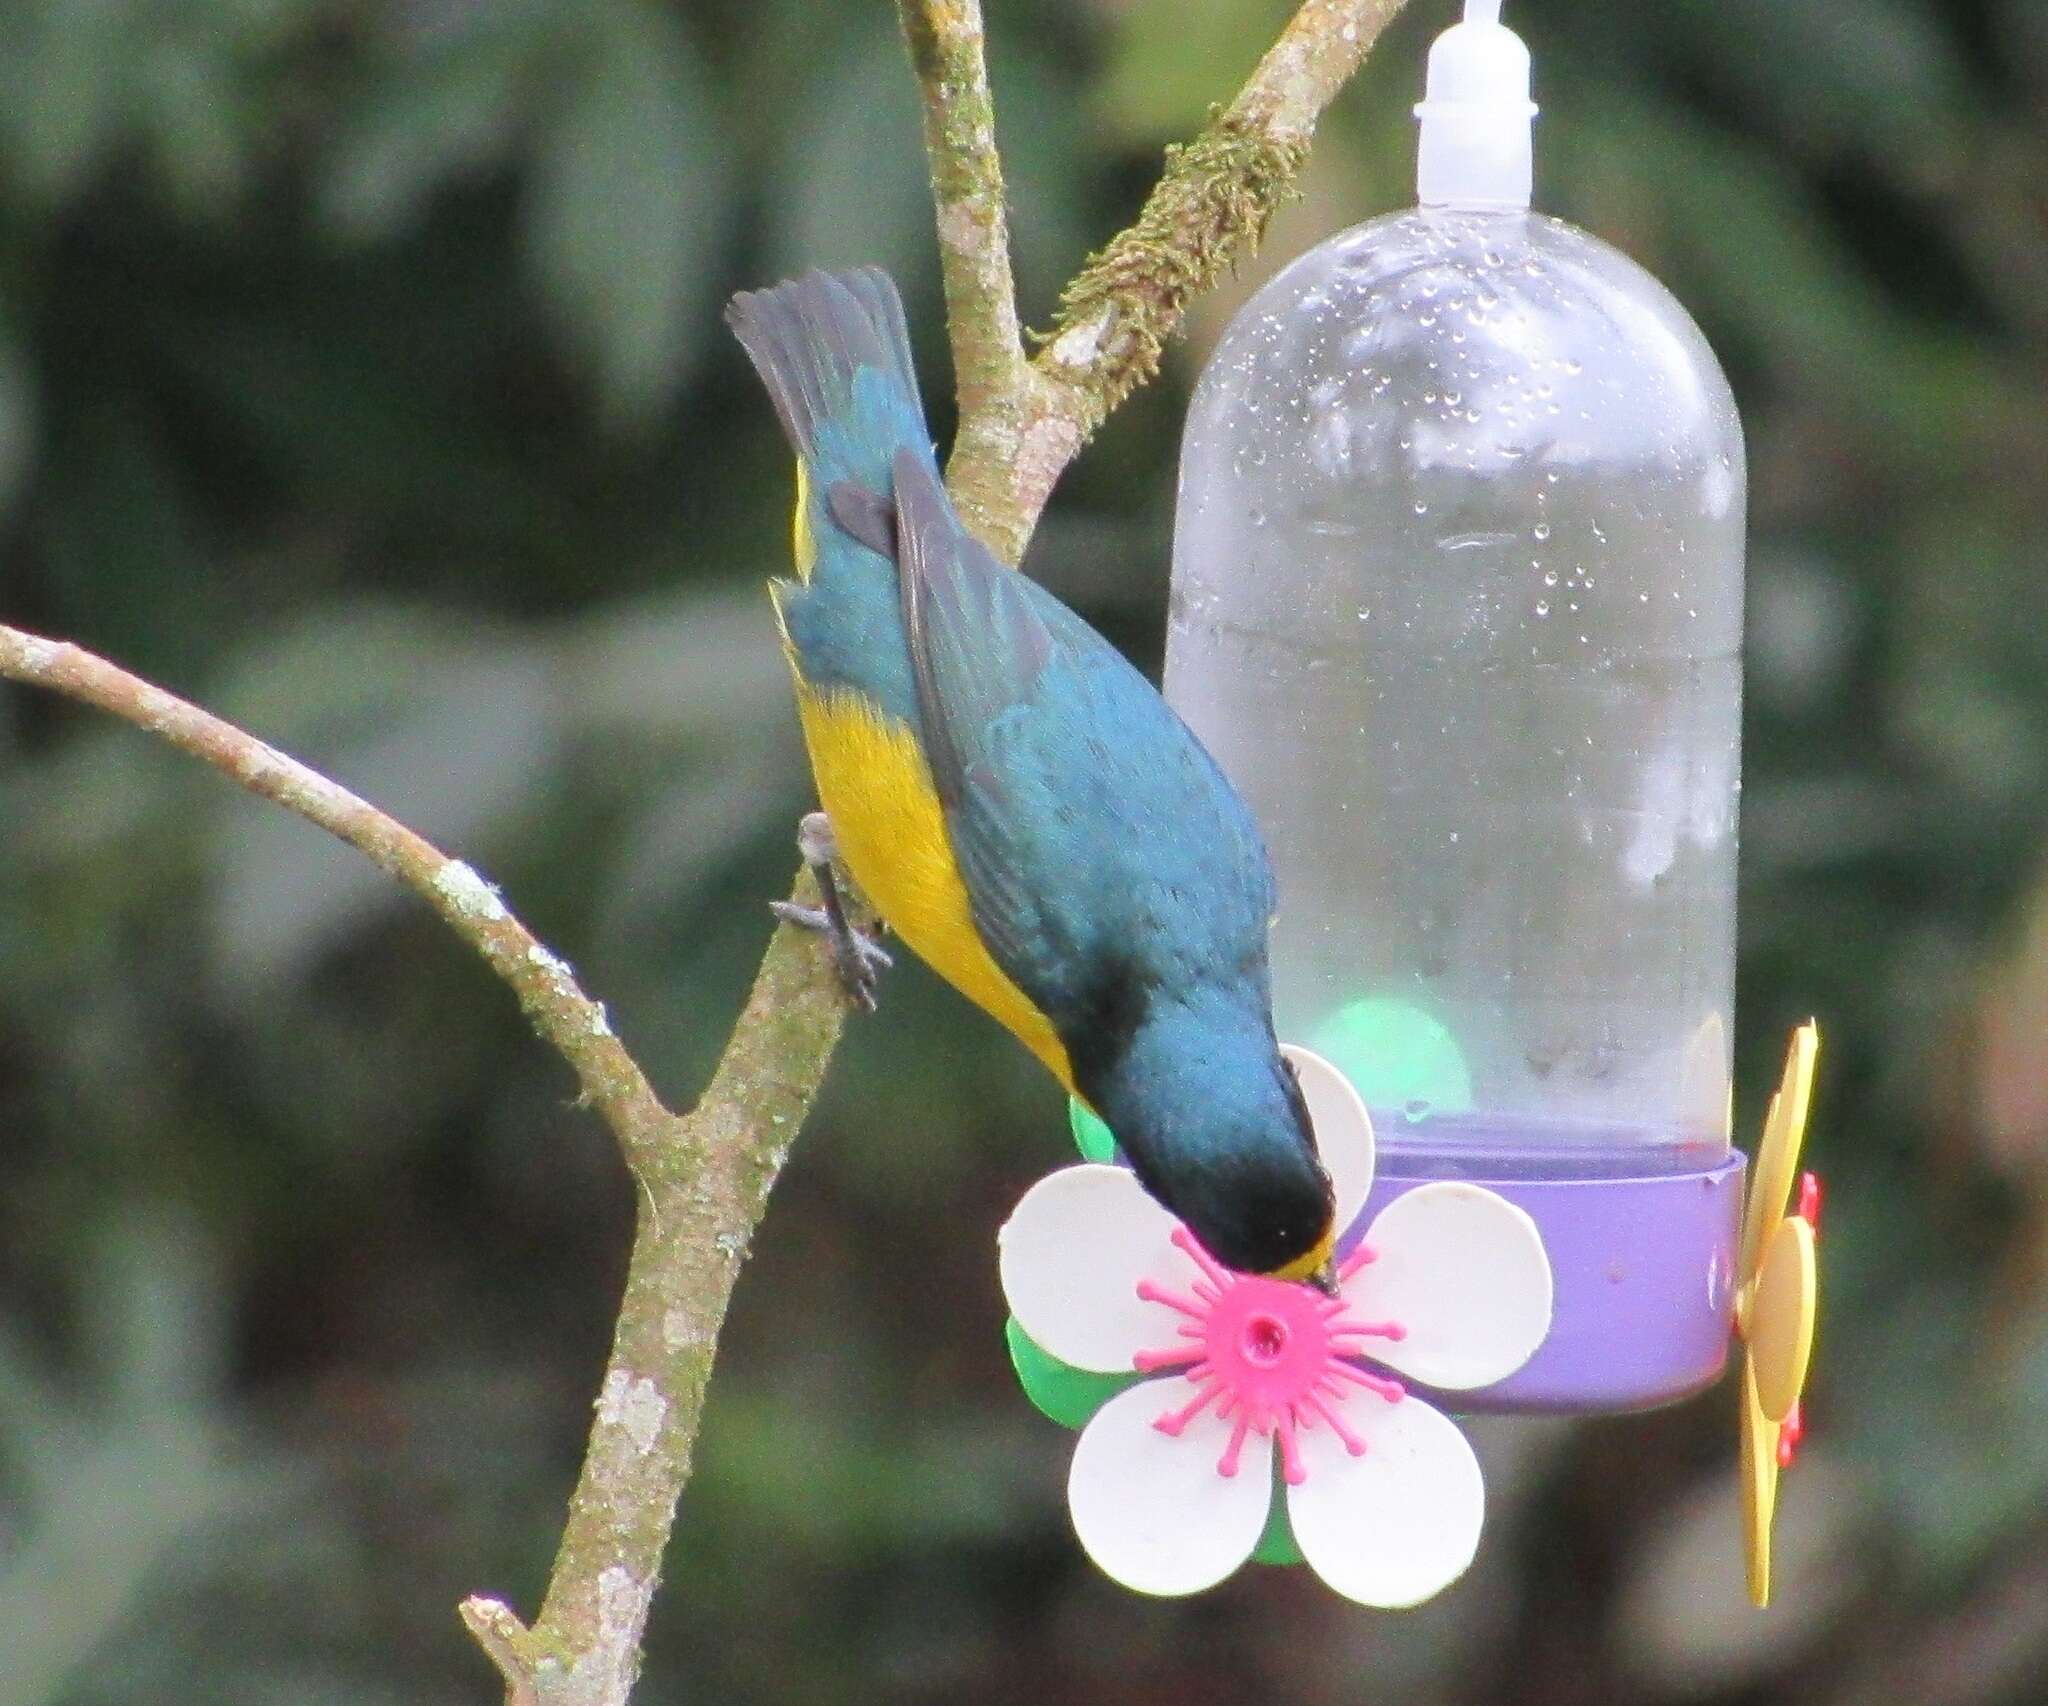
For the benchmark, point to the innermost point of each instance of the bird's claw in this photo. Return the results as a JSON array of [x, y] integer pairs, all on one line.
[[859, 959]]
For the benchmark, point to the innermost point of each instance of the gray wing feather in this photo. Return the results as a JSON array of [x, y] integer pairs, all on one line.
[[977, 648]]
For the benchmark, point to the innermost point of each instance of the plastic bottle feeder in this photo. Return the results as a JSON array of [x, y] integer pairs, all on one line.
[[1457, 603]]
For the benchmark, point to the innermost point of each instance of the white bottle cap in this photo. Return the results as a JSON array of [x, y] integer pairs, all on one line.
[[1474, 149]]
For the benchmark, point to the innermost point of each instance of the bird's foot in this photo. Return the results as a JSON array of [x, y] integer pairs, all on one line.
[[859, 959]]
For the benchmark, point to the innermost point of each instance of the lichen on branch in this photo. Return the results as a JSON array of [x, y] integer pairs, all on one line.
[[1211, 209]]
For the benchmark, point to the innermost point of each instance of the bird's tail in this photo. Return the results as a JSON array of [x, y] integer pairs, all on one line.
[[834, 352]]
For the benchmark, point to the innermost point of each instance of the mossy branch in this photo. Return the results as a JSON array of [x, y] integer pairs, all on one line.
[[1210, 210], [1207, 214]]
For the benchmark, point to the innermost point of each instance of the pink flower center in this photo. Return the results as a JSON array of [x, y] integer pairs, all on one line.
[[1271, 1357]]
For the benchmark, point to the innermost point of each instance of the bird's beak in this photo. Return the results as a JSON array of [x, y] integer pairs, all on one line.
[[1324, 1279]]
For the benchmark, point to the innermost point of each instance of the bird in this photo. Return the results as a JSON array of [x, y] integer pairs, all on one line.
[[1020, 805]]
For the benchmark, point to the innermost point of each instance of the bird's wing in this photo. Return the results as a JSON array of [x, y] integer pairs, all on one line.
[[977, 649], [1099, 843]]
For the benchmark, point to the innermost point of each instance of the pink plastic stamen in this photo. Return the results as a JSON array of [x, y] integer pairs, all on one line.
[[1217, 1275], [1352, 1443], [1228, 1463], [1273, 1358], [1175, 1422], [1390, 1330], [1153, 1293], [1176, 1356], [1360, 1257], [1391, 1390], [1810, 1200], [1790, 1432]]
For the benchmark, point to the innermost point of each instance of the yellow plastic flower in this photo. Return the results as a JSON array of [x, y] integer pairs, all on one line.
[[1774, 1305]]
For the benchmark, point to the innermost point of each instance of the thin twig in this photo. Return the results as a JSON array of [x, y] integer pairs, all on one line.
[[609, 1078], [506, 1642], [705, 1179]]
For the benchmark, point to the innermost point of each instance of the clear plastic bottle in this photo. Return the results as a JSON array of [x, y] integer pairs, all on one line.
[[1458, 605]]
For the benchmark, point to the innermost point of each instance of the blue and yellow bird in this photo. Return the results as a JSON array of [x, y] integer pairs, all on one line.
[[1018, 802]]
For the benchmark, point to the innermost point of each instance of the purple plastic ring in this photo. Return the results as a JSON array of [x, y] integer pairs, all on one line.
[[1644, 1271]]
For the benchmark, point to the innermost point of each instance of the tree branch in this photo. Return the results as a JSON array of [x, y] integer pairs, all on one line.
[[1206, 215], [991, 378], [704, 1178], [945, 38], [575, 1025]]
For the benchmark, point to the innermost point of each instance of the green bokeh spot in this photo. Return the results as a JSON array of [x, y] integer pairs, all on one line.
[[1276, 1545], [1095, 1140], [1398, 1055], [1067, 1394]]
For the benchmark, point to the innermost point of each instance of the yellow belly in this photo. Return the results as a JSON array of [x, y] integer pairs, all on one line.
[[876, 787]]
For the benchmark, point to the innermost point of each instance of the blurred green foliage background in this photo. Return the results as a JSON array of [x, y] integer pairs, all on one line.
[[361, 376]]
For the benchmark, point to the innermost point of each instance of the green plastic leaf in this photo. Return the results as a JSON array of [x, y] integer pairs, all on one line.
[[1095, 1140], [1066, 1394], [1276, 1545], [1397, 1055]]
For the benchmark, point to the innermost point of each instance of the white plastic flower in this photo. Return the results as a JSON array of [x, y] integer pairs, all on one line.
[[1173, 1478]]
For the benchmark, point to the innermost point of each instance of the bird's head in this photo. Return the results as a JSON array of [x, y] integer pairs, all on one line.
[[1217, 1130]]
